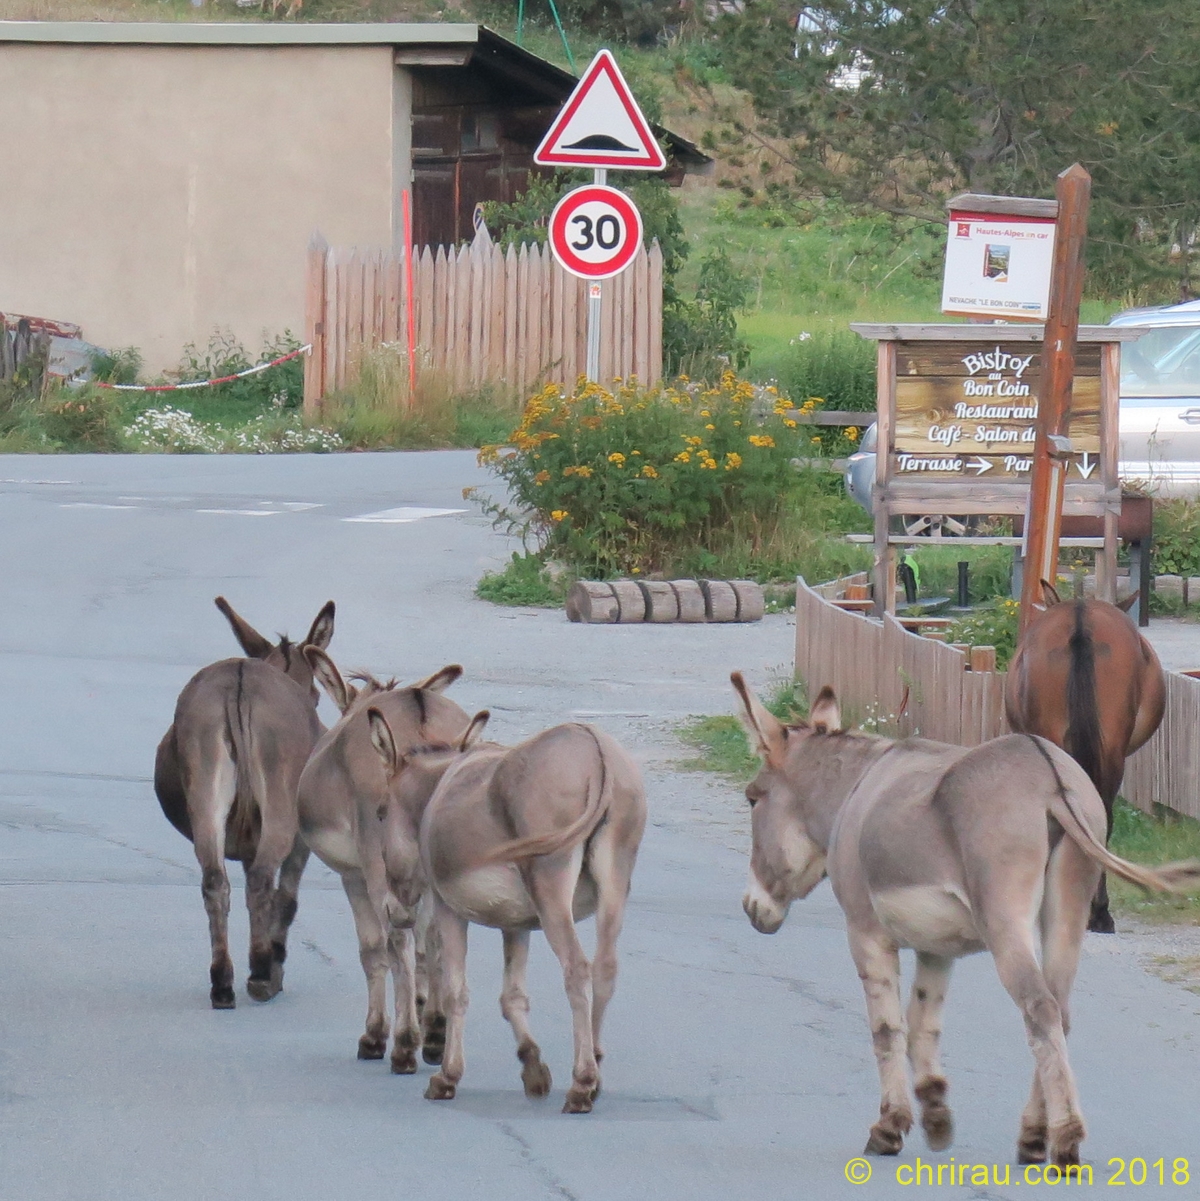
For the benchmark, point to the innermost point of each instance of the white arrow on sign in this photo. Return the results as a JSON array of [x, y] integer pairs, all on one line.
[[980, 465], [1087, 466]]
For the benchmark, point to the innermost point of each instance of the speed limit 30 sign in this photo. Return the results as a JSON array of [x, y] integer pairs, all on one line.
[[595, 231]]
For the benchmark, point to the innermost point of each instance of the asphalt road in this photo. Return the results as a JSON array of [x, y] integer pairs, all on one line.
[[738, 1066]]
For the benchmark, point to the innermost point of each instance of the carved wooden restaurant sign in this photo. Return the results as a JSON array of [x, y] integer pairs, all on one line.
[[969, 409]]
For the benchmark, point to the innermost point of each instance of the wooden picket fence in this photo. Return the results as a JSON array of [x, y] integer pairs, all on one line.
[[481, 316], [879, 669]]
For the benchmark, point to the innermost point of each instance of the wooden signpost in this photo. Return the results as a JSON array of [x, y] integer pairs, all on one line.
[[957, 428]]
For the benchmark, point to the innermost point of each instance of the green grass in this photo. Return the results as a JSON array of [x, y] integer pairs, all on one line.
[[523, 582], [1151, 839], [721, 743]]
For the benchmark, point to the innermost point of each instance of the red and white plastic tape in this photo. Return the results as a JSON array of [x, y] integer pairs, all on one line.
[[205, 383]]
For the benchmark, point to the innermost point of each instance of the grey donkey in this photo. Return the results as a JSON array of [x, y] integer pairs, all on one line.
[[226, 774], [946, 850], [537, 836]]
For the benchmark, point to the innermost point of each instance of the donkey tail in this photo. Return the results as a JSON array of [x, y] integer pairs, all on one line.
[[1182, 876], [537, 845], [240, 823], [1084, 741]]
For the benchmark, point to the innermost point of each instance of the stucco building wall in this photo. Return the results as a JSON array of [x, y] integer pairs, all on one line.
[[153, 193]]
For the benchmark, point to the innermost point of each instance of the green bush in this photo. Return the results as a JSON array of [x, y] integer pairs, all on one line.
[[1177, 536], [994, 625], [617, 483], [524, 581], [83, 419], [280, 387], [836, 365]]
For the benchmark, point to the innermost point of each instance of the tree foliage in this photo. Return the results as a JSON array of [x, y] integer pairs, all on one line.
[[894, 105]]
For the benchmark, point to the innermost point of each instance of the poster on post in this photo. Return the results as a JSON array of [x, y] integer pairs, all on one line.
[[998, 264]]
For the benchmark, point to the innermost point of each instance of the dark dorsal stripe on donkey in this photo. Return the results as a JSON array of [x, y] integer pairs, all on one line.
[[1085, 678]]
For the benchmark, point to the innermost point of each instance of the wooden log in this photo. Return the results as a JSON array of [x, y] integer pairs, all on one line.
[[720, 600], [983, 658], [631, 603], [592, 601], [691, 600], [661, 602], [751, 602]]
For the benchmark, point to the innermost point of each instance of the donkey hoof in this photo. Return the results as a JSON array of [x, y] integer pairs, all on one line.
[[579, 1099], [433, 1048], [371, 1048], [535, 1076], [404, 1062], [262, 990], [223, 998], [1031, 1148], [1064, 1143], [1102, 923], [884, 1140], [439, 1088], [938, 1124]]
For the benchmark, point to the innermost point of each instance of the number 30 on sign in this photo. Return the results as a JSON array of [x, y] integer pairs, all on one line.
[[595, 231]]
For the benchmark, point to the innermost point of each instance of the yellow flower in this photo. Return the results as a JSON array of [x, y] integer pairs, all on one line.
[[617, 457], [541, 478], [649, 471], [733, 461], [705, 413], [683, 457], [559, 515], [816, 441], [852, 433], [635, 452], [693, 440], [710, 427], [789, 423], [708, 464], [763, 440], [488, 454], [582, 471]]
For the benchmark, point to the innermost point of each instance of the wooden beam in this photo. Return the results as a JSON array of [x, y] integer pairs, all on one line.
[[1010, 206], [1050, 462]]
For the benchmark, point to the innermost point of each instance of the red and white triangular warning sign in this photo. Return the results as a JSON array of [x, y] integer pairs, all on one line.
[[601, 125]]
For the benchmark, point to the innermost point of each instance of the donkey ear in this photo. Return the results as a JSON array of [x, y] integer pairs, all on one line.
[[320, 633], [768, 735], [251, 641], [474, 730], [1128, 602], [383, 742], [440, 680], [326, 671], [826, 716], [1049, 594]]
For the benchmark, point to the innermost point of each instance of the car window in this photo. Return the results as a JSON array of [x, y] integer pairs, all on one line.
[[869, 439], [1162, 362]]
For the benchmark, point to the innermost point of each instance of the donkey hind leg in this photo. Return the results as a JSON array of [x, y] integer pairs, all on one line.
[[372, 952], [433, 1012], [266, 971], [407, 1033], [285, 900], [452, 989], [611, 867], [553, 886], [210, 800], [924, 1039], [1058, 1105], [1070, 881], [1100, 920], [514, 1004], [878, 963]]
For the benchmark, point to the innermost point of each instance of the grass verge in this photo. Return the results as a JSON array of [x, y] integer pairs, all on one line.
[[721, 743], [525, 581], [1154, 838]]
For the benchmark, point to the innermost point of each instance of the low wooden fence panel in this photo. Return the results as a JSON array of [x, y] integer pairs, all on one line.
[[481, 315], [877, 670]]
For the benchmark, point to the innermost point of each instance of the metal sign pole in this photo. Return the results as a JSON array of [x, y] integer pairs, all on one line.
[[595, 300]]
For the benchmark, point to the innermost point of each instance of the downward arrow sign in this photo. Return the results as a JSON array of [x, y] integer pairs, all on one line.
[[979, 465], [1087, 466]]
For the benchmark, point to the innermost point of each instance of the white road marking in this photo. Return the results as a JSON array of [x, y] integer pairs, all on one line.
[[83, 504], [297, 506], [404, 514], [39, 481], [243, 512]]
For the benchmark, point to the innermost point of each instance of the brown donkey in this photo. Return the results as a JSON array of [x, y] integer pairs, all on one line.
[[1085, 678], [345, 820], [574, 801], [226, 774], [947, 851]]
